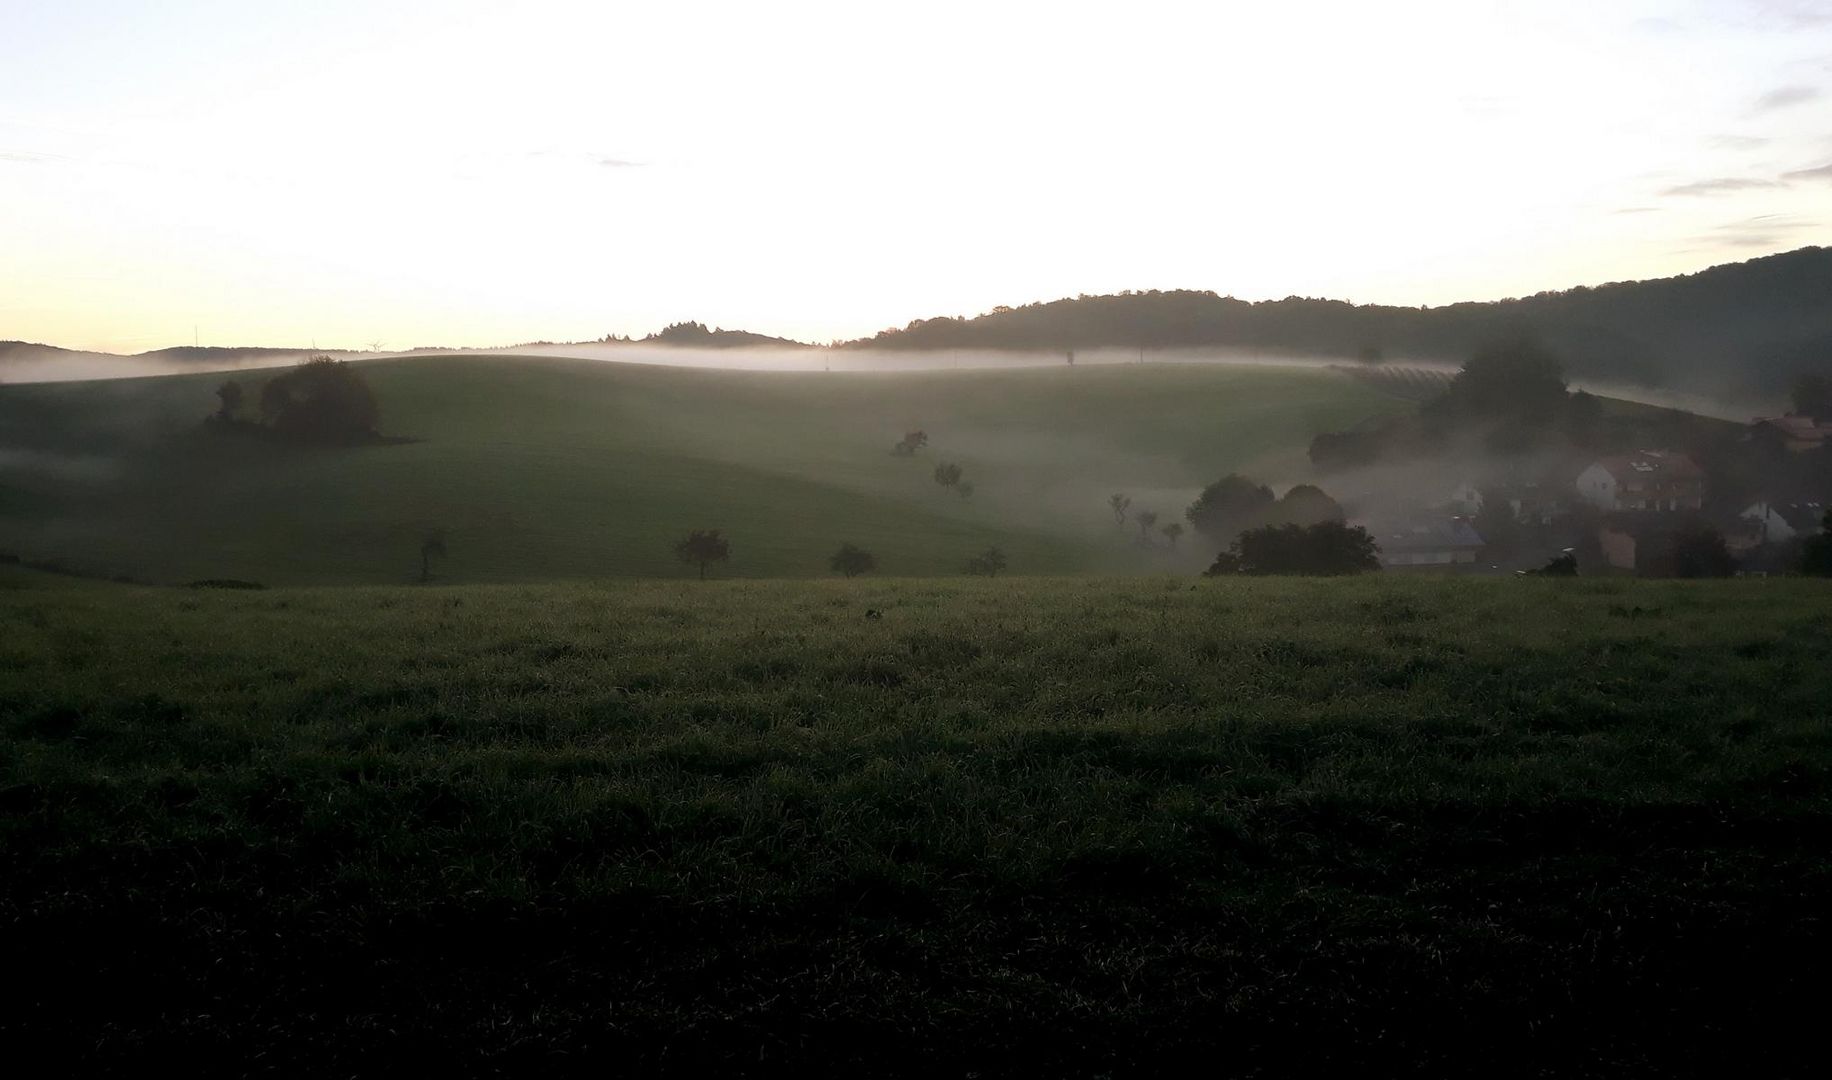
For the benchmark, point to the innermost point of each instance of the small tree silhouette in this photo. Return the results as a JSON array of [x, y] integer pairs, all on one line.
[[1145, 519], [912, 441], [1171, 530], [1120, 504], [703, 546], [852, 560], [987, 563], [230, 394], [432, 546], [964, 489], [947, 474]]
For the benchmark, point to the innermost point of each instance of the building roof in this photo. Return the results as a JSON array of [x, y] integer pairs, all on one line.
[[1425, 534], [1662, 465], [1795, 426], [1799, 516]]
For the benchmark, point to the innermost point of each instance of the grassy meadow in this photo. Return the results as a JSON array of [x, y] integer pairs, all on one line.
[[1063, 827], [544, 469]]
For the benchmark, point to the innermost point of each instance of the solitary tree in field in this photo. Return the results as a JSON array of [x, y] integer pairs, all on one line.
[[1172, 530], [987, 563], [1119, 504], [947, 474], [703, 546], [964, 489], [432, 546], [852, 560], [1145, 519], [230, 394], [911, 442]]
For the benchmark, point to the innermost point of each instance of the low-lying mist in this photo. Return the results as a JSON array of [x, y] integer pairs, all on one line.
[[32, 364]]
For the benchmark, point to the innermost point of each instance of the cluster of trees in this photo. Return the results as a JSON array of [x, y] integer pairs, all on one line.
[[1755, 321], [1235, 504], [947, 473], [322, 400], [1510, 395], [1146, 520]]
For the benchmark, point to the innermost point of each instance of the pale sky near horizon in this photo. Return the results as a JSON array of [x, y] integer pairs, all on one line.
[[466, 173]]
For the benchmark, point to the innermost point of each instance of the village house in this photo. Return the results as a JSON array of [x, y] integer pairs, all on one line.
[[1426, 541], [1792, 432], [1776, 523], [1530, 502], [1653, 480]]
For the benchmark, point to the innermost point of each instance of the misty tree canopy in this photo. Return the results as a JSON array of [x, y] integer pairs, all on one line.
[[321, 400], [1228, 506]]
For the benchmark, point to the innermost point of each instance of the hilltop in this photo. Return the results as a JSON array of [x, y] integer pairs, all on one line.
[[696, 335], [1746, 326]]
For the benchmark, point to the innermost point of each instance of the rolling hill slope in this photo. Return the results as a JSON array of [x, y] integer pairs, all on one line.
[[543, 469]]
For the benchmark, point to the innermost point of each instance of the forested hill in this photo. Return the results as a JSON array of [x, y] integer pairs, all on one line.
[[696, 335], [1748, 325]]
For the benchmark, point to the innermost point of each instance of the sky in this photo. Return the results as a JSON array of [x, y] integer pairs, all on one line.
[[401, 174]]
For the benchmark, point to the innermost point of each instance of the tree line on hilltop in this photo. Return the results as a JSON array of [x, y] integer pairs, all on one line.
[[1744, 325]]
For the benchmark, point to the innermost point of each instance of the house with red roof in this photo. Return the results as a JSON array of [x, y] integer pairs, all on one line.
[[1664, 481]]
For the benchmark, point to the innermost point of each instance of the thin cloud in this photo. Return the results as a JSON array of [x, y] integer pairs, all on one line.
[[619, 163], [1738, 142], [1636, 210], [1824, 172], [1785, 96], [1763, 230], [1720, 185]]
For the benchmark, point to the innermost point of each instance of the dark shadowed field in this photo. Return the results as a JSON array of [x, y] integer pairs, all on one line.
[[1010, 827]]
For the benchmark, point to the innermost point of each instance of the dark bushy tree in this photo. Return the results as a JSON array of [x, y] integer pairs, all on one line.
[[947, 474], [432, 546], [230, 395], [1812, 396], [703, 546], [1172, 530], [321, 400], [1693, 551], [852, 561], [1816, 551], [1145, 519], [1228, 506], [1328, 548], [1514, 379], [911, 442]]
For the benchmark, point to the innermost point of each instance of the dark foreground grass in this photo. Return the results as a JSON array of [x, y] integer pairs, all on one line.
[[1052, 828]]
